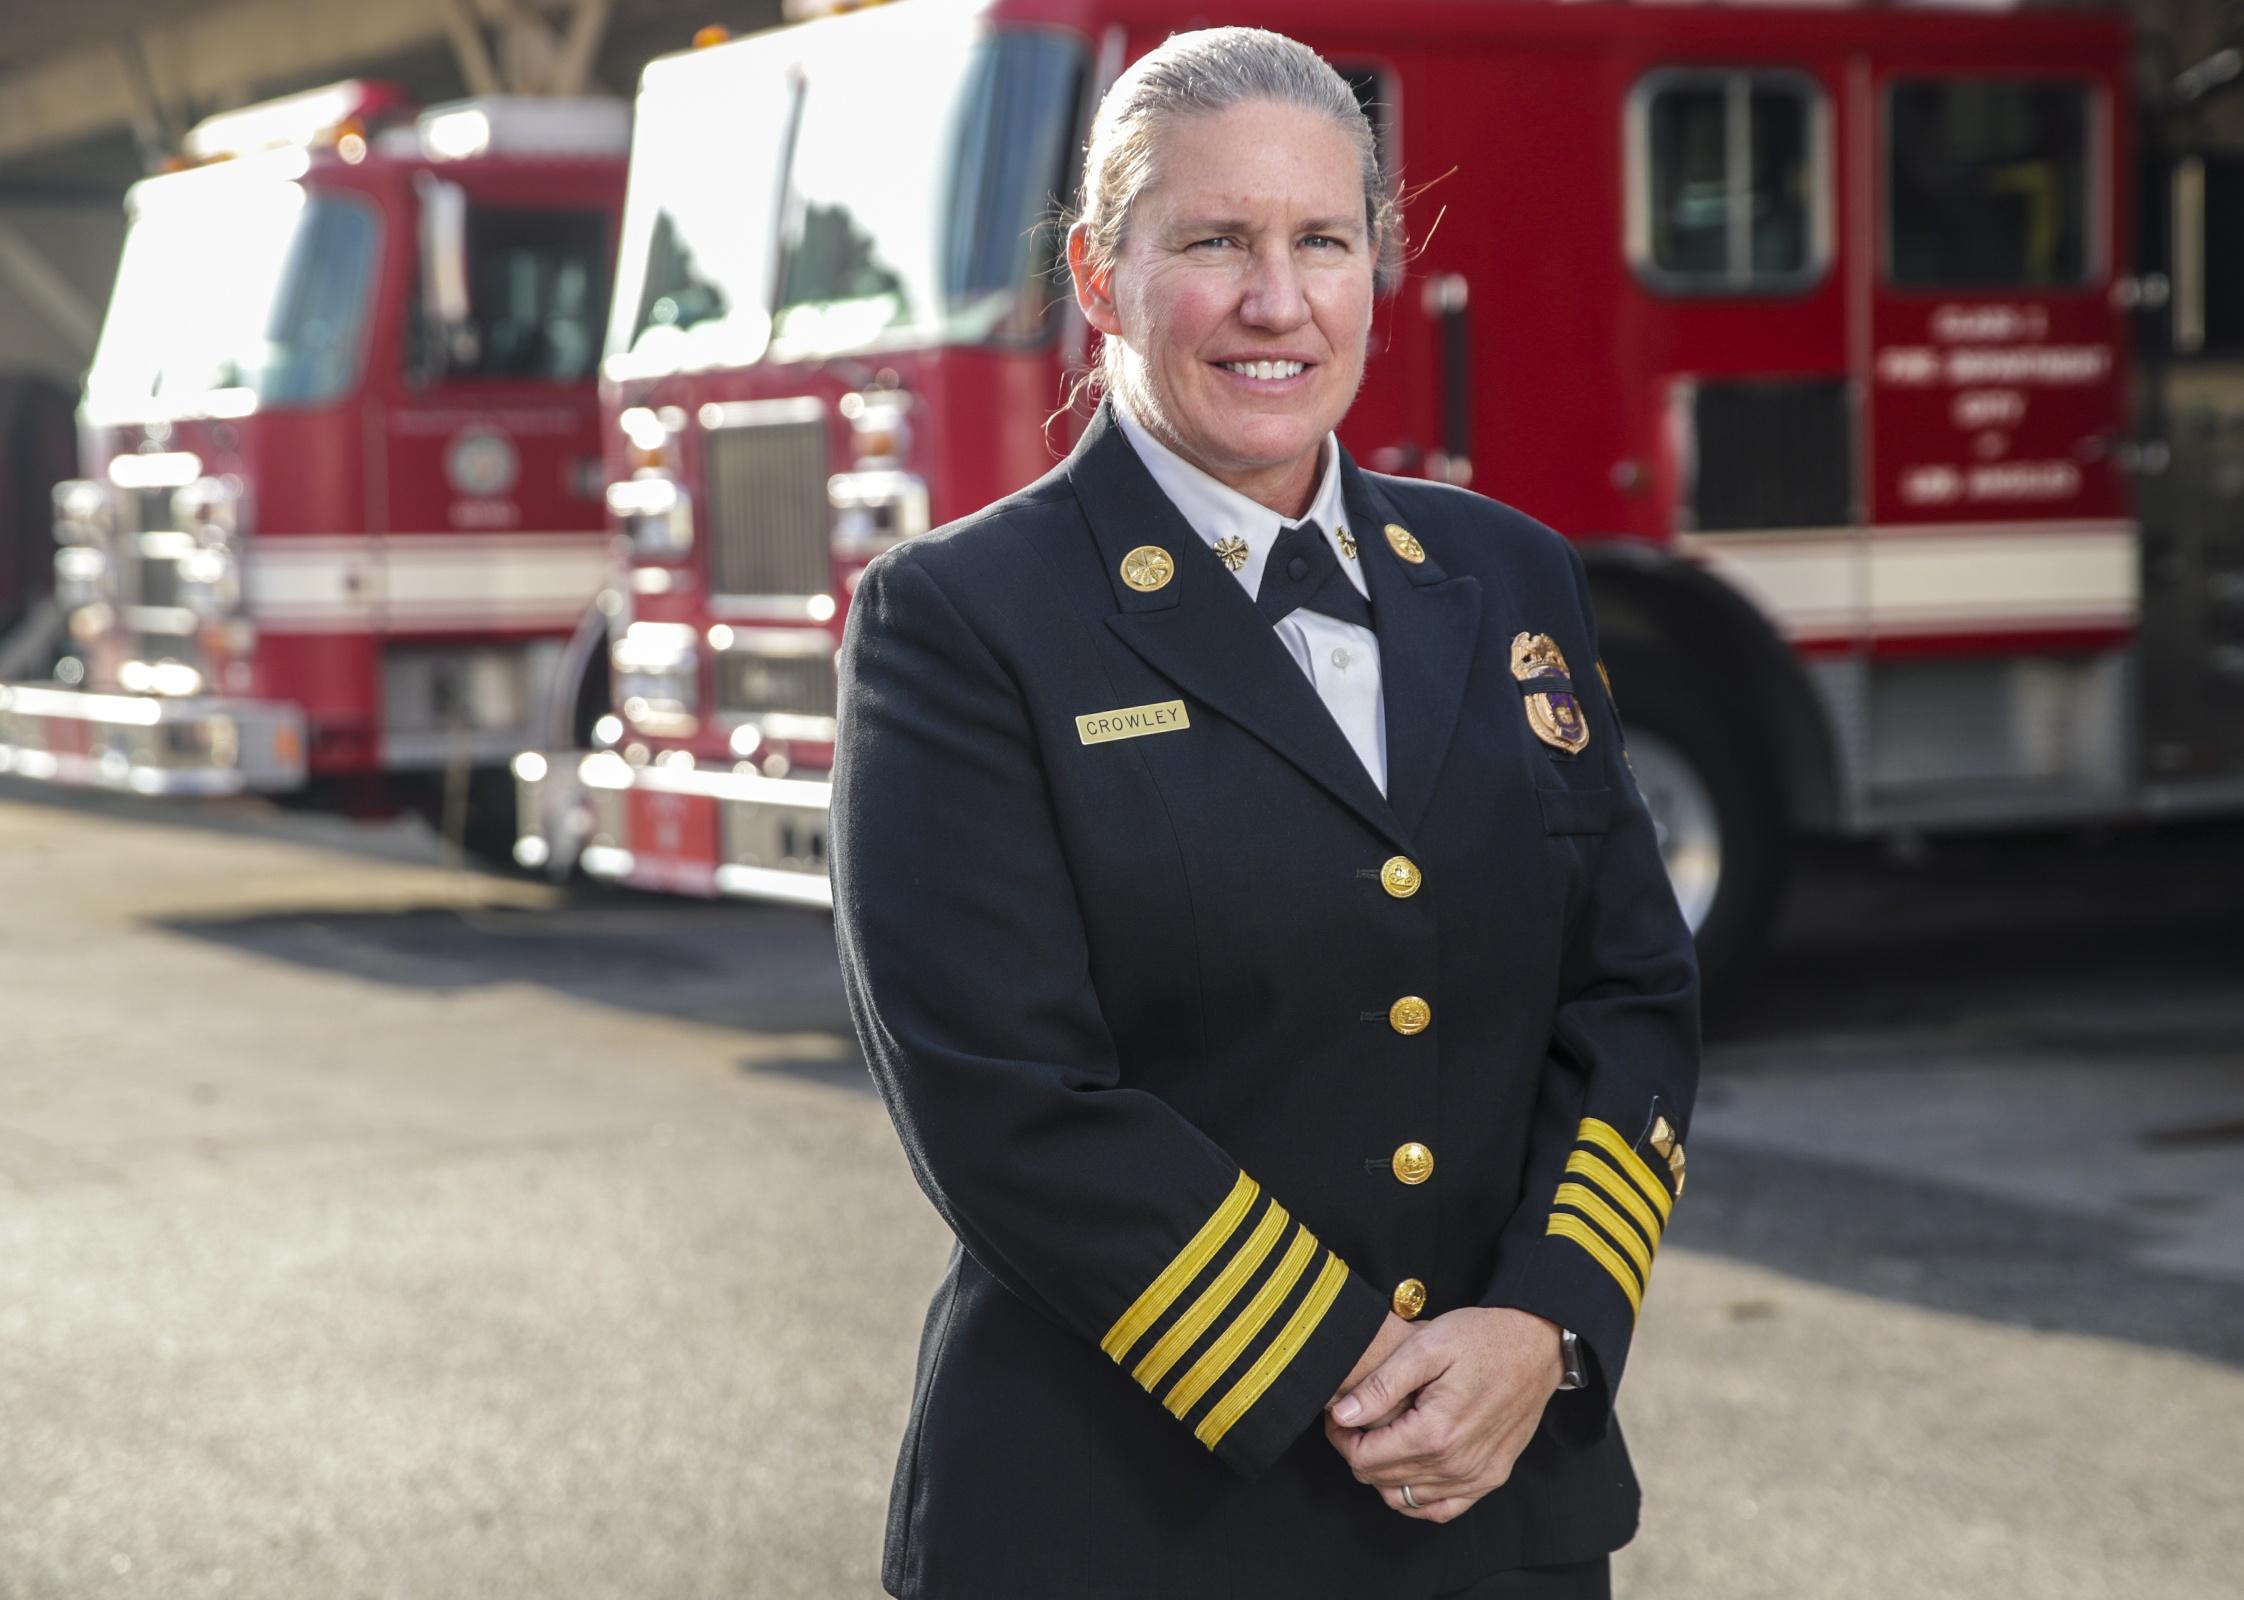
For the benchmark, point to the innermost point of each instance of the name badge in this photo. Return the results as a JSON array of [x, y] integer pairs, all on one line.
[[1132, 722]]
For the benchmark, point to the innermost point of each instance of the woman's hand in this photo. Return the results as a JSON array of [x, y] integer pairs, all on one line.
[[1451, 1408]]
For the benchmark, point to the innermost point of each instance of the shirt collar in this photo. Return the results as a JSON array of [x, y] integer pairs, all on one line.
[[1217, 511]]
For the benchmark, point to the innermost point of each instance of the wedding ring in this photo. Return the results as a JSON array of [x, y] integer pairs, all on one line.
[[1410, 1499]]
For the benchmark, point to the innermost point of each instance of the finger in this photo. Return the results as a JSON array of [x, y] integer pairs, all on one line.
[[1430, 1507], [1386, 1392], [1447, 1509], [1395, 1448]]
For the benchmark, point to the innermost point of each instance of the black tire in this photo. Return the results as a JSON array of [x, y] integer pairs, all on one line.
[[1683, 730], [483, 827]]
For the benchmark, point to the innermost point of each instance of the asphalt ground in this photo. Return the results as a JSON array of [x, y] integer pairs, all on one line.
[[374, 1227]]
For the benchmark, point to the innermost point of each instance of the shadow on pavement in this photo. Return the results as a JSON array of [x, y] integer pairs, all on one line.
[[762, 969], [1953, 1250]]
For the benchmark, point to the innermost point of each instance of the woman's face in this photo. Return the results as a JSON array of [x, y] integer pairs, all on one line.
[[1242, 294]]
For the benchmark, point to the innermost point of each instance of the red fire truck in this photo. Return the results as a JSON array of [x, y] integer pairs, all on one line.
[[341, 504], [1812, 326]]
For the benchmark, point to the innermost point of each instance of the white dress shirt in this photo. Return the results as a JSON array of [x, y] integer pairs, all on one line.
[[1341, 659]]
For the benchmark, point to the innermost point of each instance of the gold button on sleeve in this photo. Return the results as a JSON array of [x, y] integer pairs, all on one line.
[[1400, 877], [1410, 1299], [1409, 1015], [1414, 1163]]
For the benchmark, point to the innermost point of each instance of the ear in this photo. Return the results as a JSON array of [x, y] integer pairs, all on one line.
[[1094, 291]]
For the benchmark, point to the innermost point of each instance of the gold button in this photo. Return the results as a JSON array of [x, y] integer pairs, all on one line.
[[1400, 877], [1410, 1298], [1409, 1015], [1414, 1163]]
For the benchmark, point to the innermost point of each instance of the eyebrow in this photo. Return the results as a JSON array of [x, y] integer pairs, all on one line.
[[1205, 225]]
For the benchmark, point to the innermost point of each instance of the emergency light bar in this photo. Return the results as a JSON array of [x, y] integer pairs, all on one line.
[[522, 125], [314, 116]]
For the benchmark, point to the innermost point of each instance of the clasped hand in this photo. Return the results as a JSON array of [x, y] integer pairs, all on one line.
[[1447, 1406]]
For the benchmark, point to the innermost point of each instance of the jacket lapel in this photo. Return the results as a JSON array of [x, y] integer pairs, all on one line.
[[1427, 623], [1201, 631]]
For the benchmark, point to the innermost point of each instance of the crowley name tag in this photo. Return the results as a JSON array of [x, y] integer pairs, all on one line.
[[1131, 722]]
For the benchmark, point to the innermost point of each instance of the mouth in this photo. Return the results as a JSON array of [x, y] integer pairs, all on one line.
[[1267, 376]]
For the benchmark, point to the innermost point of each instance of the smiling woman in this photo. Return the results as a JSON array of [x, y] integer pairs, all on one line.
[[1245, 906]]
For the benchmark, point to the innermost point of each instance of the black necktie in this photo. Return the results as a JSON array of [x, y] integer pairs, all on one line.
[[1303, 571]]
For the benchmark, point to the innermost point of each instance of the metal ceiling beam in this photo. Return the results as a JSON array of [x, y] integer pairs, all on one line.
[[198, 60]]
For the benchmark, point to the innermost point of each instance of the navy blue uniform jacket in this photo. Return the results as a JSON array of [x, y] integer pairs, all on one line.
[[1133, 1006]]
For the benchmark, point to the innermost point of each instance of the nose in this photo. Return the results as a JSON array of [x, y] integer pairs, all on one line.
[[1273, 298]]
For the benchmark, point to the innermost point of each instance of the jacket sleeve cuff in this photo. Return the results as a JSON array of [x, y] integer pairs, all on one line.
[[1586, 1261], [1300, 1384]]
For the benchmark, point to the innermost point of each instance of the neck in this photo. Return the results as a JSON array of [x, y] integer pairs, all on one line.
[[1289, 488]]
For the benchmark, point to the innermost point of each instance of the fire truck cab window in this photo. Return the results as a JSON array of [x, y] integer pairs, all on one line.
[[1727, 182], [537, 291], [934, 233], [1987, 183], [235, 283]]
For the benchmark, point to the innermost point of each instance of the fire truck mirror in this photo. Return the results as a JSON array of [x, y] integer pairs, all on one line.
[[444, 310]]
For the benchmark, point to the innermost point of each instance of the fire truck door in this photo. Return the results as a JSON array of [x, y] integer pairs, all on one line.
[[2001, 567]]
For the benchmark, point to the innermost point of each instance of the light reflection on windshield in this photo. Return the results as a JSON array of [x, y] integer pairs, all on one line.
[[924, 156], [234, 287]]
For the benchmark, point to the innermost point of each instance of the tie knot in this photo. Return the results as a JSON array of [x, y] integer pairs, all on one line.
[[1303, 571]]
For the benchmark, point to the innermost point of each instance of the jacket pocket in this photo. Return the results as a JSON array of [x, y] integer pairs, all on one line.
[[1582, 810]]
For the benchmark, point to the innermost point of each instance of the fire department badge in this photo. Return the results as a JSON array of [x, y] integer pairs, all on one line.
[[1554, 713]]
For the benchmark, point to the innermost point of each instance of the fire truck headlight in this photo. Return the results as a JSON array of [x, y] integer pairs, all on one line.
[[81, 576], [210, 582], [880, 432], [875, 509], [656, 512], [657, 673], [81, 512]]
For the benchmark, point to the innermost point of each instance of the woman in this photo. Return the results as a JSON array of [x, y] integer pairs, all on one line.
[[1258, 940]]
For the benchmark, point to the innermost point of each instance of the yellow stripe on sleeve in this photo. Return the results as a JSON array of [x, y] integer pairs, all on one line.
[[1585, 1200], [1605, 1255], [1606, 1138], [1162, 1291], [1217, 1358], [1589, 1164], [1203, 1311], [1275, 1357]]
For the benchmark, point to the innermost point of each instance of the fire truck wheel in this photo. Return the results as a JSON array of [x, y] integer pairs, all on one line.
[[1715, 804], [481, 821]]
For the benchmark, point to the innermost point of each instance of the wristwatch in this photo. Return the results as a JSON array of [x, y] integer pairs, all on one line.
[[1570, 1354]]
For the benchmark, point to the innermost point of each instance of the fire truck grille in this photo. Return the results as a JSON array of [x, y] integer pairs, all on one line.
[[767, 518], [1773, 455], [752, 685]]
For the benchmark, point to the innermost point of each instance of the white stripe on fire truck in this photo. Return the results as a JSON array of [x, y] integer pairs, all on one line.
[[331, 584], [1947, 578]]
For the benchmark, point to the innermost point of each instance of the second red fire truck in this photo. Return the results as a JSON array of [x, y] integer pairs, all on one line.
[[1812, 327], [340, 497]]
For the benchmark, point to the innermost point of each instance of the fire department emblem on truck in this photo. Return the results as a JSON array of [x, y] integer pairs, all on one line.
[[481, 462], [1554, 713]]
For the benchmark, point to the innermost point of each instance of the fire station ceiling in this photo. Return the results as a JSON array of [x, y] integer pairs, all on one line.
[[93, 91]]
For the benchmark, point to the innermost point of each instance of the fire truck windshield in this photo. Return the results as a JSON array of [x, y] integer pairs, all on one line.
[[836, 189], [234, 292]]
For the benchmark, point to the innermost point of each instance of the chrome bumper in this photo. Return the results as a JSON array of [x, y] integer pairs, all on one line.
[[145, 744], [674, 829]]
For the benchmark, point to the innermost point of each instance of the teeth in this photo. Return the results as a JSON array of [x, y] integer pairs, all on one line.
[[1265, 369]]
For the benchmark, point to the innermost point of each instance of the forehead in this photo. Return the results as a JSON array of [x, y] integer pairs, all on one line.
[[1261, 158]]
